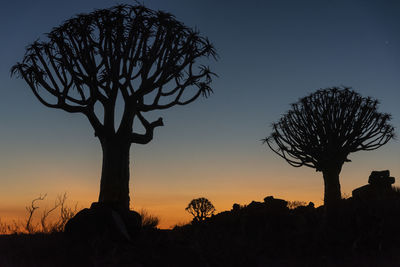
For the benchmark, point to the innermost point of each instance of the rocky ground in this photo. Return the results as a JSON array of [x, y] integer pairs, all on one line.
[[364, 233]]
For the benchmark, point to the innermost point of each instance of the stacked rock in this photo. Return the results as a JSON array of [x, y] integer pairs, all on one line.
[[379, 184], [381, 178]]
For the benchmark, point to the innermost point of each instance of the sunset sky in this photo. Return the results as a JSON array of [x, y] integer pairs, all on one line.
[[271, 53]]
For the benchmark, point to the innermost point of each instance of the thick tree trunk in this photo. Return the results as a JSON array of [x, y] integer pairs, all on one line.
[[114, 184], [332, 194]]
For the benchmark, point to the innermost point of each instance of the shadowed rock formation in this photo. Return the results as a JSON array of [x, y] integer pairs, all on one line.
[[104, 221], [379, 185]]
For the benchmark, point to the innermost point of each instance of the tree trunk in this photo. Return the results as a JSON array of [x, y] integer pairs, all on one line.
[[332, 194], [114, 184]]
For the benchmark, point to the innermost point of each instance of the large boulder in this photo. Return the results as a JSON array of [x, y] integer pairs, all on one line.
[[104, 221], [379, 185], [275, 203], [381, 179]]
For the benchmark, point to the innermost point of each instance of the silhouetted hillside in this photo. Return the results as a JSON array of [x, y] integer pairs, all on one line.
[[267, 233], [264, 233]]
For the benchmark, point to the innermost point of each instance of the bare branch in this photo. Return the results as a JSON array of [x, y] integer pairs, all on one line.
[[200, 208], [130, 50], [148, 136], [46, 213], [31, 209]]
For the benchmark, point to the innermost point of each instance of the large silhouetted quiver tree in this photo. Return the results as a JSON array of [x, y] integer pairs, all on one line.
[[322, 129], [144, 56]]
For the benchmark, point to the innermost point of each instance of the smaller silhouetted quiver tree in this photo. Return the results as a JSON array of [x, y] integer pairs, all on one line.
[[200, 208], [322, 129]]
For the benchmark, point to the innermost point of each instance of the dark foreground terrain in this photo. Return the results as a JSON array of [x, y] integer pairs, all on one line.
[[364, 232]]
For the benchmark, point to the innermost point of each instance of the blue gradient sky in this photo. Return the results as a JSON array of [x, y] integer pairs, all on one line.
[[271, 54]]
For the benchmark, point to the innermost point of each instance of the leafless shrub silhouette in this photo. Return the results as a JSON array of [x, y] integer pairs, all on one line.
[[3, 227], [31, 209], [148, 220], [66, 213], [294, 204], [44, 225]]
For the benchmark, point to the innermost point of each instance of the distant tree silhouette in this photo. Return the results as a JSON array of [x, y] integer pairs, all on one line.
[[200, 208], [322, 129], [147, 58]]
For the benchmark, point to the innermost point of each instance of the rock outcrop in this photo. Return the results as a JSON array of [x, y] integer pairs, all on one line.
[[103, 221], [379, 185]]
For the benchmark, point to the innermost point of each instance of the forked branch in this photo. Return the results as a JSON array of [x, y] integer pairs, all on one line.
[[126, 50], [326, 126]]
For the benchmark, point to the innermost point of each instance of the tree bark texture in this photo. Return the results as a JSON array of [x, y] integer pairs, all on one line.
[[114, 184]]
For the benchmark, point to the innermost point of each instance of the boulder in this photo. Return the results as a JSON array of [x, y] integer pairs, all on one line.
[[255, 205], [381, 178], [379, 185], [236, 207], [275, 203], [103, 221]]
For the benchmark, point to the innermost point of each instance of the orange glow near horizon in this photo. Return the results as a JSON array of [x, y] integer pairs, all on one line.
[[169, 205], [170, 210], [164, 189]]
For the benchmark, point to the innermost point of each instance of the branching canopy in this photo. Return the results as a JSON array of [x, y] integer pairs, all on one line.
[[147, 57], [326, 126], [200, 208]]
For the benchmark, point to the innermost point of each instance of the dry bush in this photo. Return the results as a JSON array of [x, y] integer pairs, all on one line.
[[148, 220], [294, 204], [15, 227], [31, 210], [396, 190], [66, 213], [43, 224], [3, 227]]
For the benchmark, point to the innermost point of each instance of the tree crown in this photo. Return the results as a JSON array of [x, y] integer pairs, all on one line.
[[146, 56], [326, 126], [200, 208]]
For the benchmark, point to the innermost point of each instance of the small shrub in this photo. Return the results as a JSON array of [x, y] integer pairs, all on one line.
[[201, 208], [32, 226], [148, 220], [294, 204]]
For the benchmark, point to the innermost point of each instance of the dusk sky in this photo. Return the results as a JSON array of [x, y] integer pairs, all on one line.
[[271, 53]]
